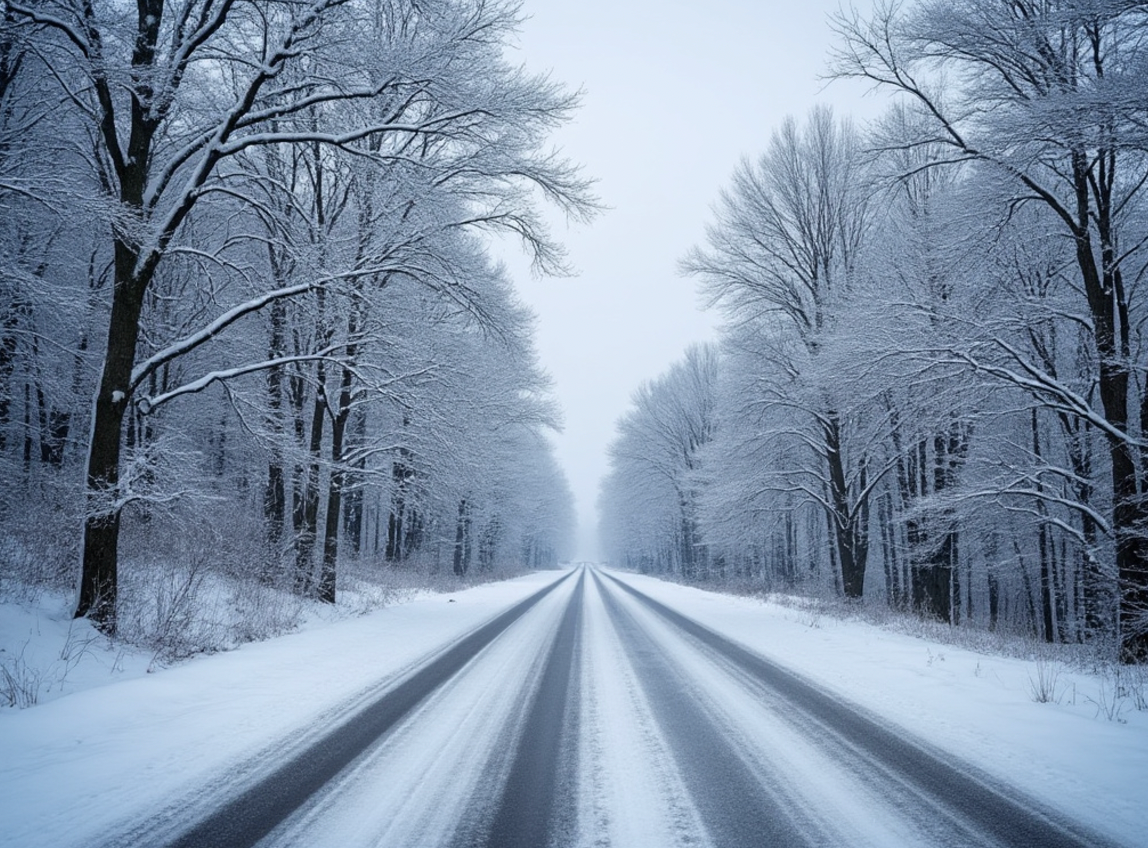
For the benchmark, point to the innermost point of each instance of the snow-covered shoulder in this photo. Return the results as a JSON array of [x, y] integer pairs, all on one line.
[[1083, 750], [77, 765]]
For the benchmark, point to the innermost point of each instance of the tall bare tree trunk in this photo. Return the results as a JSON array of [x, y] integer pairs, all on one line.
[[99, 572], [308, 505], [1104, 287], [327, 578], [275, 493], [133, 274], [848, 521]]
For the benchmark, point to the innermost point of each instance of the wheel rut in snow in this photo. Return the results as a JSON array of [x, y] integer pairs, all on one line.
[[536, 808], [1002, 816], [254, 812], [737, 807]]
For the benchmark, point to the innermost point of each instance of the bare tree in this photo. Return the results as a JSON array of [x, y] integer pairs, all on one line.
[[784, 245], [649, 500], [1043, 106], [177, 94]]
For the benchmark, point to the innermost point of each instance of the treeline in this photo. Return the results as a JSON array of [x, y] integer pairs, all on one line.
[[255, 233], [930, 389]]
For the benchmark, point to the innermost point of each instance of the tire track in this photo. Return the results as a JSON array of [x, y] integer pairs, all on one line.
[[985, 811], [737, 807], [533, 812], [631, 790], [255, 811]]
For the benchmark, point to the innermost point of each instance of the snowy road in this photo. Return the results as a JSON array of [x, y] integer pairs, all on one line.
[[590, 714], [767, 758]]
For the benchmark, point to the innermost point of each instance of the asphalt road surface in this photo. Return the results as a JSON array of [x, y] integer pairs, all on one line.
[[591, 715]]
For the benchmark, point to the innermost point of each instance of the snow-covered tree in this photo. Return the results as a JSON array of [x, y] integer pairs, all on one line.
[[781, 256], [648, 503], [240, 158], [1042, 104]]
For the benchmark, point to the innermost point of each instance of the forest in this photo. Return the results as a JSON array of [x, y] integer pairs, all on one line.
[[253, 342], [929, 391]]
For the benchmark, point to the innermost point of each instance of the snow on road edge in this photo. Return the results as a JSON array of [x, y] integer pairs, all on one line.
[[977, 706], [72, 768]]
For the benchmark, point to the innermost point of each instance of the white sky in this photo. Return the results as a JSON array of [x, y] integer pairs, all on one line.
[[675, 92]]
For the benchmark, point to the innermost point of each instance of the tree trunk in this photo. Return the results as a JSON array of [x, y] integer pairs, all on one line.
[[98, 573], [1104, 289], [994, 595], [327, 578], [1095, 588], [308, 517], [337, 480], [462, 539], [397, 529], [98, 577], [9, 323], [353, 488], [851, 549], [1129, 512], [275, 494]]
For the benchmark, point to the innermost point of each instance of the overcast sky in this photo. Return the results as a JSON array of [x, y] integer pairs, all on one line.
[[675, 93]]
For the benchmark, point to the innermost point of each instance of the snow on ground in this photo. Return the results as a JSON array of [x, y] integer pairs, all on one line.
[[979, 707], [45, 653], [93, 757], [73, 767]]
